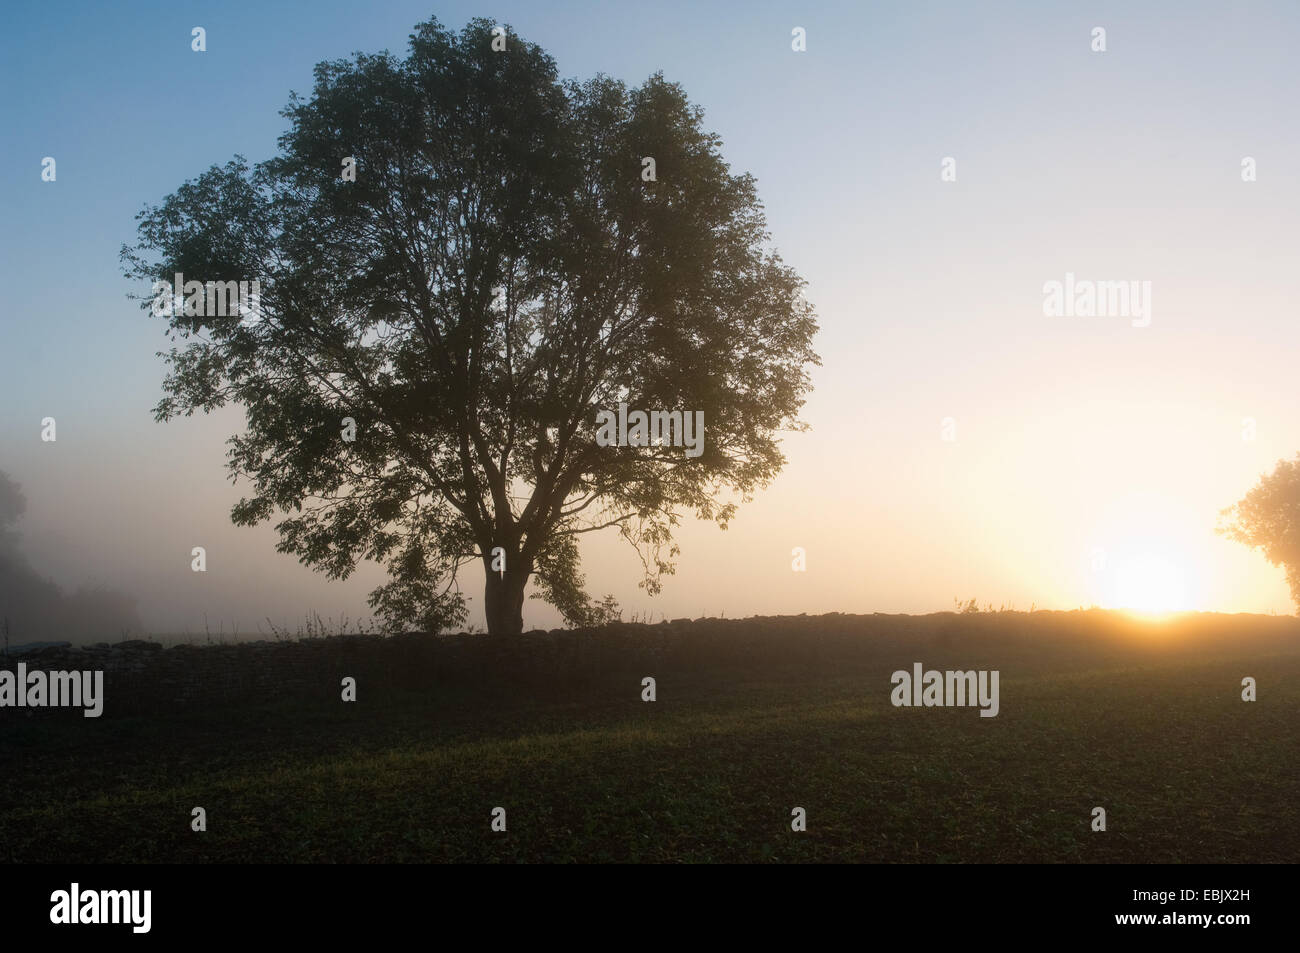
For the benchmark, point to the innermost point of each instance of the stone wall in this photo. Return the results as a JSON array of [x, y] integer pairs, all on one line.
[[144, 677]]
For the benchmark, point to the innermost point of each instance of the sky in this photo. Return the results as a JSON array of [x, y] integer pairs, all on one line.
[[963, 443]]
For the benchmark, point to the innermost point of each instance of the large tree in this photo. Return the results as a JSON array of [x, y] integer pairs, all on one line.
[[503, 266], [1268, 518]]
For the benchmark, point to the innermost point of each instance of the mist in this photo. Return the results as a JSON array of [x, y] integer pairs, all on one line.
[[35, 608]]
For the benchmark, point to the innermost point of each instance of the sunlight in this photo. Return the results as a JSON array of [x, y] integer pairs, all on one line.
[[1149, 584]]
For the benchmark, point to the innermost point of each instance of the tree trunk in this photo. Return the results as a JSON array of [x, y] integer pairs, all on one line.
[[503, 599]]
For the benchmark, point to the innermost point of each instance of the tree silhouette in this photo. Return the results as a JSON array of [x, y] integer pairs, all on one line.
[[503, 266], [1268, 518], [12, 506], [33, 607]]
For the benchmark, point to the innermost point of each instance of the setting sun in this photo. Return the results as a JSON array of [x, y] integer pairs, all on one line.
[[1149, 583]]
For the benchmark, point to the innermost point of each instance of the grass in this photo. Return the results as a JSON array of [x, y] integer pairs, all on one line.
[[1186, 771]]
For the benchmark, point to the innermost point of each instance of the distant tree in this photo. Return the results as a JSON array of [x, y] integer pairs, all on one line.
[[1268, 519], [33, 607], [12, 506], [504, 264]]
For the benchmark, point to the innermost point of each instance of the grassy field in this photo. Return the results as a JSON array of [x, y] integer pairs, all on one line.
[[1186, 770]]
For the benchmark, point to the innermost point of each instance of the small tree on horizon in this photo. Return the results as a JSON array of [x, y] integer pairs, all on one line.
[[503, 265], [1268, 518]]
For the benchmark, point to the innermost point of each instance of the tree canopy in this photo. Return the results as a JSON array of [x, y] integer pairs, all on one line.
[[502, 266], [1268, 519]]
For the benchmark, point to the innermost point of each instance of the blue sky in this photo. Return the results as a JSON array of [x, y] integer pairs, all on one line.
[[1072, 435]]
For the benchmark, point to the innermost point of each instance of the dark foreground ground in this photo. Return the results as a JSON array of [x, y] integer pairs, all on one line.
[[753, 718]]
